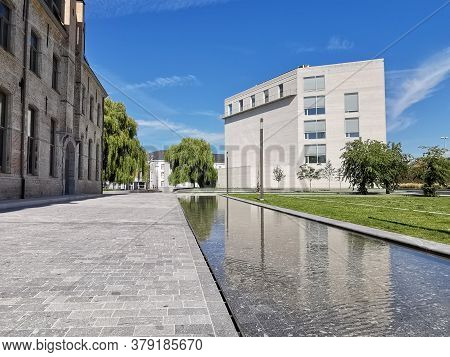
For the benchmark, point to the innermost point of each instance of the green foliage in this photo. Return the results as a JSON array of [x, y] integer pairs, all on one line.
[[191, 161], [278, 174], [328, 172], [308, 173], [435, 169], [123, 157], [371, 163]]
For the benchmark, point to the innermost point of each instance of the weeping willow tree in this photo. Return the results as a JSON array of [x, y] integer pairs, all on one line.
[[124, 158], [191, 161]]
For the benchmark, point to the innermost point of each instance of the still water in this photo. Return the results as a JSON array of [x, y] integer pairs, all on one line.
[[287, 276]]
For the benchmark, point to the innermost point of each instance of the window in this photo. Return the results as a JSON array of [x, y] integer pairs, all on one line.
[[241, 105], [266, 96], [162, 183], [80, 160], [315, 129], [83, 99], [315, 154], [281, 90], [99, 113], [230, 109], [32, 147], [253, 101], [90, 160], [91, 109], [97, 163], [316, 83], [351, 103], [314, 105], [34, 53], [352, 127], [5, 15], [163, 176], [55, 6], [52, 147], [2, 129], [55, 73], [163, 167]]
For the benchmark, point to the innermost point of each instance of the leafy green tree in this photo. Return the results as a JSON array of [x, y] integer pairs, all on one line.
[[328, 172], [309, 173], [123, 156], [394, 166], [278, 175], [191, 161], [435, 169]]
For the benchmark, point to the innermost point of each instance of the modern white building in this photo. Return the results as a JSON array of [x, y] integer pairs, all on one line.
[[308, 115]]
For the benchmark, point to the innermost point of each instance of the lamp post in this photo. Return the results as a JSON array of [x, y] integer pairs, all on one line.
[[227, 162], [445, 138], [261, 159]]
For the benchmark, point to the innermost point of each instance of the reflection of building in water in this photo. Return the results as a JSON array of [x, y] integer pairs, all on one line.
[[310, 278]]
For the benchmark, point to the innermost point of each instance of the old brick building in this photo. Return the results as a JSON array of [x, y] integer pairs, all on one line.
[[51, 102]]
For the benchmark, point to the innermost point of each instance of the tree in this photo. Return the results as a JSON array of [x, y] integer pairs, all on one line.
[[394, 166], [278, 175], [435, 169], [328, 172], [191, 161], [123, 156], [340, 176], [308, 173]]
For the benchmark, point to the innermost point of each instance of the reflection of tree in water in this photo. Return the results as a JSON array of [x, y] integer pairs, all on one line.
[[200, 211]]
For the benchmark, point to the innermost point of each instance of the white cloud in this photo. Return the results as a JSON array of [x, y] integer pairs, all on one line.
[[337, 43], [408, 87], [182, 130], [206, 113], [112, 8], [162, 82]]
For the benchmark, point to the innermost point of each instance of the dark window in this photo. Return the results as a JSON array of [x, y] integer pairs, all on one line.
[[2, 128], [55, 72], [97, 163], [32, 147], [99, 113], [315, 154], [80, 160], [253, 101], [83, 99], [281, 90], [5, 14], [314, 105], [266, 96], [241, 105], [55, 6], [90, 160], [34, 53], [91, 109], [52, 147], [315, 129]]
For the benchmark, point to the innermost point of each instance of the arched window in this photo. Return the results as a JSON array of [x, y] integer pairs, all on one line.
[[99, 113], [90, 160], [80, 160], [97, 163], [91, 109], [5, 18]]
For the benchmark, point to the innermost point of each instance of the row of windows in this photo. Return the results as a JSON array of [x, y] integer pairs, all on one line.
[[316, 129], [91, 107], [316, 105], [32, 144], [266, 99], [5, 18]]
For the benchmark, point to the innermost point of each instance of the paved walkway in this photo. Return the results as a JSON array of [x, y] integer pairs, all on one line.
[[124, 265]]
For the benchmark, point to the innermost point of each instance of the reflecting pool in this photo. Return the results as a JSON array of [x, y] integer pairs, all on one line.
[[287, 276]]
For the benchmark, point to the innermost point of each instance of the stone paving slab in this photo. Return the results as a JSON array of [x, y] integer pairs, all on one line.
[[120, 265]]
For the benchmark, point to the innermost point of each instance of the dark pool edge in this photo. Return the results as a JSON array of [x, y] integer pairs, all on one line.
[[228, 307], [417, 243]]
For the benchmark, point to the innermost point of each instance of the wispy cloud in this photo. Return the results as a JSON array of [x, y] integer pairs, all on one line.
[[206, 113], [338, 43], [163, 82], [408, 87], [181, 129], [305, 49], [113, 8]]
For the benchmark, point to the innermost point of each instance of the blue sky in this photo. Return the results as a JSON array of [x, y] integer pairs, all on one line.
[[176, 60]]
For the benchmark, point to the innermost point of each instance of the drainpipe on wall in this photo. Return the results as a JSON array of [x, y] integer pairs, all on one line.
[[26, 10]]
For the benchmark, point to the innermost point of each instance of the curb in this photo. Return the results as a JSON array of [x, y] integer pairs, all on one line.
[[39, 202], [418, 243]]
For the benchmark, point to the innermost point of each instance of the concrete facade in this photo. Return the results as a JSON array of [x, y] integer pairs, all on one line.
[[42, 83], [284, 105]]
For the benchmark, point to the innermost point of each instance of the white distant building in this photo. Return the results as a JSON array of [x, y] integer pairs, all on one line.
[[308, 115], [160, 171]]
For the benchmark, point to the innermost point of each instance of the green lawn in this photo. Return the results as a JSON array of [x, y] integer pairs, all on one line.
[[423, 217]]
